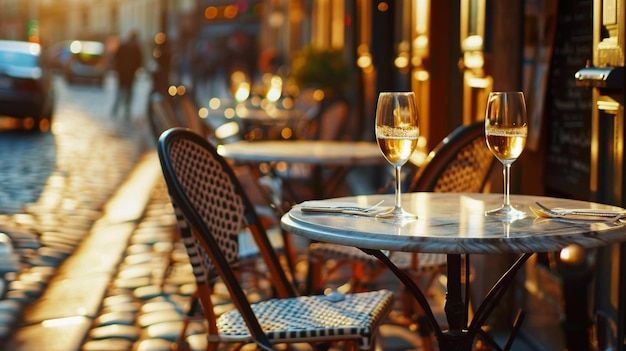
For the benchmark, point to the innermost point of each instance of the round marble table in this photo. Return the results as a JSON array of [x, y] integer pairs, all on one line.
[[455, 224], [336, 155], [305, 151]]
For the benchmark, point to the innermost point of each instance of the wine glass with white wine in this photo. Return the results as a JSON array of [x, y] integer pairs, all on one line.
[[506, 128], [397, 131]]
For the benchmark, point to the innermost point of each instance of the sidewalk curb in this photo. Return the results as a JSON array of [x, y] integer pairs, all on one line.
[[62, 317]]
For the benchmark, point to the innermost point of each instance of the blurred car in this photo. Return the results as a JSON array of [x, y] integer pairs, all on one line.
[[25, 86], [88, 62]]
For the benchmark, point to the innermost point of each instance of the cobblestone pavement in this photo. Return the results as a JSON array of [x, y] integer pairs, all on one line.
[[145, 303], [53, 187]]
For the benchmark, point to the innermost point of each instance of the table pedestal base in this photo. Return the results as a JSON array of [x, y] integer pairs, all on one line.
[[459, 337]]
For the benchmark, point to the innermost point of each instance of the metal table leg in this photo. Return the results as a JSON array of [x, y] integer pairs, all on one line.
[[459, 337]]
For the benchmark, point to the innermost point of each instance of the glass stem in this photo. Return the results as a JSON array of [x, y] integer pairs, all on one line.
[[507, 185], [398, 186]]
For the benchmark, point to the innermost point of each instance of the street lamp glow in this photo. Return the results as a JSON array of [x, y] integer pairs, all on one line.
[[242, 92]]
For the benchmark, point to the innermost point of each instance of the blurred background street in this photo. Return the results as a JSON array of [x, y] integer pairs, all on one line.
[[83, 260], [84, 123], [54, 186]]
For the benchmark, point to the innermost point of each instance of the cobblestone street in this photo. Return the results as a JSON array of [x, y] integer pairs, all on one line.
[[83, 131], [53, 188]]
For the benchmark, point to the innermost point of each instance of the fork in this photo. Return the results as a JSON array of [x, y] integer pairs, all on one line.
[[340, 209], [590, 212]]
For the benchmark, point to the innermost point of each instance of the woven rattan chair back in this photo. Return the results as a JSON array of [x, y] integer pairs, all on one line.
[[260, 196], [203, 183], [460, 163], [212, 209]]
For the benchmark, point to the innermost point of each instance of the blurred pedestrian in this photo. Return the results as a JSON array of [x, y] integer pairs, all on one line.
[[126, 61]]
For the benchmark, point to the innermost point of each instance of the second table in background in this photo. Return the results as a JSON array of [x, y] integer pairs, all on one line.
[[336, 155]]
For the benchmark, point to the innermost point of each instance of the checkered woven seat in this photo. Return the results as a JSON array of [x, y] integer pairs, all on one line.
[[212, 209], [309, 318], [460, 163]]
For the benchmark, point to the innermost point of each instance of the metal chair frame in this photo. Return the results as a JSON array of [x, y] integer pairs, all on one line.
[[211, 209]]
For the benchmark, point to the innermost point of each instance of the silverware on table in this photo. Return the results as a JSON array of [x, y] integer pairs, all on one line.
[[580, 212], [340, 209]]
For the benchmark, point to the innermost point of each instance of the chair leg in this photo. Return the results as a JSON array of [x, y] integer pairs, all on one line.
[[517, 324], [321, 346], [413, 314], [314, 273], [358, 277], [425, 332], [181, 344], [290, 254]]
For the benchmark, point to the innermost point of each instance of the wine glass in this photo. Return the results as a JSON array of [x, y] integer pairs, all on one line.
[[397, 130], [506, 128]]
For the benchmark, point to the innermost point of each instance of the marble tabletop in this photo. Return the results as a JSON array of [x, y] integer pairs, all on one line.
[[304, 151], [455, 223]]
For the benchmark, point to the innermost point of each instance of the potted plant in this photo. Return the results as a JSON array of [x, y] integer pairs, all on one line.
[[324, 69]]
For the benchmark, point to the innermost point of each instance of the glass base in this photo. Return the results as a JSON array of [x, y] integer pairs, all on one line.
[[508, 212], [396, 215]]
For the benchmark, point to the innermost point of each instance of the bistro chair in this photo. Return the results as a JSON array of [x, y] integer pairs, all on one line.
[[212, 209], [164, 117], [330, 121], [161, 115], [461, 162], [263, 197], [193, 121]]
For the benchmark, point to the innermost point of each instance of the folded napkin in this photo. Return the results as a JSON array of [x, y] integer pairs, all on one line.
[[325, 207], [580, 215]]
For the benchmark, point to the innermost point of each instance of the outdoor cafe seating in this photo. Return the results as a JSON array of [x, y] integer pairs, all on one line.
[[459, 163]]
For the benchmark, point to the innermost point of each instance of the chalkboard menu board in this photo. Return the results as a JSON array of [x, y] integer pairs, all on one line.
[[568, 108]]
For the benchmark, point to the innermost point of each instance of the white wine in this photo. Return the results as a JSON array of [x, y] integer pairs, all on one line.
[[506, 144], [397, 144], [397, 130], [506, 128]]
